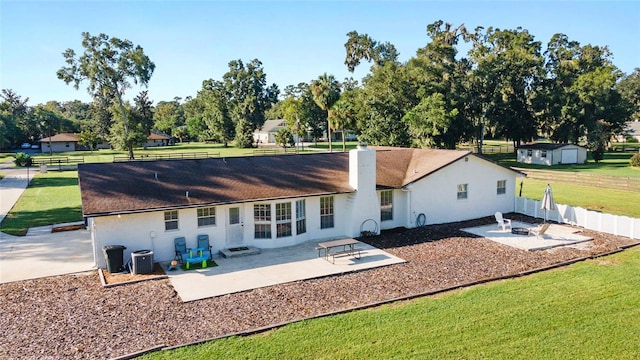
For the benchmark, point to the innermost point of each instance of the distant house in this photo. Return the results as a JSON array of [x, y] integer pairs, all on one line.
[[61, 142], [278, 201], [632, 129], [69, 142], [267, 133], [158, 139], [551, 154]]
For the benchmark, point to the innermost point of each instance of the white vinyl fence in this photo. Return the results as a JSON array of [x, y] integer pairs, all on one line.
[[577, 216]]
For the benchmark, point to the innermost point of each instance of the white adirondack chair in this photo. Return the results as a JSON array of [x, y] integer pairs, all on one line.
[[502, 222]]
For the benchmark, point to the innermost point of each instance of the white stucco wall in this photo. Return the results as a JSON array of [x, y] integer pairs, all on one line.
[[58, 146], [436, 195], [146, 231]]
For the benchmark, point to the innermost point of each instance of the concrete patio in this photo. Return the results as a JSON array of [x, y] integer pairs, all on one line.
[[557, 235], [270, 267]]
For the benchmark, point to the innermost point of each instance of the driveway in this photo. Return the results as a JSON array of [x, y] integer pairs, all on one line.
[[42, 253], [12, 185]]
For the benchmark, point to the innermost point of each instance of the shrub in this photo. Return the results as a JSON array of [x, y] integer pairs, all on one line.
[[23, 159], [635, 160]]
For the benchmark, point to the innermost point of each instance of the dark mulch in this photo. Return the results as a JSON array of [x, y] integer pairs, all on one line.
[[125, 277], [73, 316]]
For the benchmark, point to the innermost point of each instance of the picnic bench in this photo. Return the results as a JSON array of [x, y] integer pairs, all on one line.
[[196, 259], [347, 245]]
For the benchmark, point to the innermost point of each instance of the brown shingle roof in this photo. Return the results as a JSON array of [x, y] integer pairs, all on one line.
[[113, 188], [397, 167], [109, 188], [64, 137], [155, 136]]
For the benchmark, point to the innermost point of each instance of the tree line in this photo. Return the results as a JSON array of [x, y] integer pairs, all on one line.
[[506, 86]]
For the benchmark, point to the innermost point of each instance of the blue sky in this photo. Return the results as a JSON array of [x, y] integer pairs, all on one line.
[[191, 41]]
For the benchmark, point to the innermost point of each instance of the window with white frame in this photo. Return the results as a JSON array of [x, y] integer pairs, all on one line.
[[262, 221], [171, 220], [462, 191], [301, 217], [543, 153], [529, 152], [386, 205], [502, 187], [283, 219], [326, 212], [206, 216]]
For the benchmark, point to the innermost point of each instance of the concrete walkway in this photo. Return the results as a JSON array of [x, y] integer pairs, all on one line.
[[555, 236], [270, 267]]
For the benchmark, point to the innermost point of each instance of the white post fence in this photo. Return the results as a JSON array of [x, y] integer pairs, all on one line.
[[577, 216]]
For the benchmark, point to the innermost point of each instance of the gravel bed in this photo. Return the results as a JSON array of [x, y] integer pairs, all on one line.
[[73, 316]]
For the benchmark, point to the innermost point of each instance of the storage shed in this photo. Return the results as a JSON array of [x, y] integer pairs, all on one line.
[[551, 154]]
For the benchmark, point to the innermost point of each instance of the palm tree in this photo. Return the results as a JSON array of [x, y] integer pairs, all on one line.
[[341, 117], [326, 91]]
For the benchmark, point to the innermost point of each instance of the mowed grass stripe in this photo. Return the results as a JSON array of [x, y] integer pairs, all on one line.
[[589, 310], [51, 198], [616, 202]]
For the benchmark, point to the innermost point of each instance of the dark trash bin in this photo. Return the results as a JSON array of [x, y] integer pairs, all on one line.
[[114, 255]]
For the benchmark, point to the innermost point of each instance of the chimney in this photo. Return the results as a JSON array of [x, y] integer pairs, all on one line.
[[362, 168], [362, 177]]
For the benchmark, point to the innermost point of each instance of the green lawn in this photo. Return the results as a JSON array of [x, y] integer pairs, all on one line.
[[606, 200], [589, 310], [106, 155], [6, 157], [52, 198]]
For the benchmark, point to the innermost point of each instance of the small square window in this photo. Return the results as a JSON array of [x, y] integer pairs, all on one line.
[[171, 220], [529, 152], [206, 216], [543, 153], [502, 187], [462, 191]]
